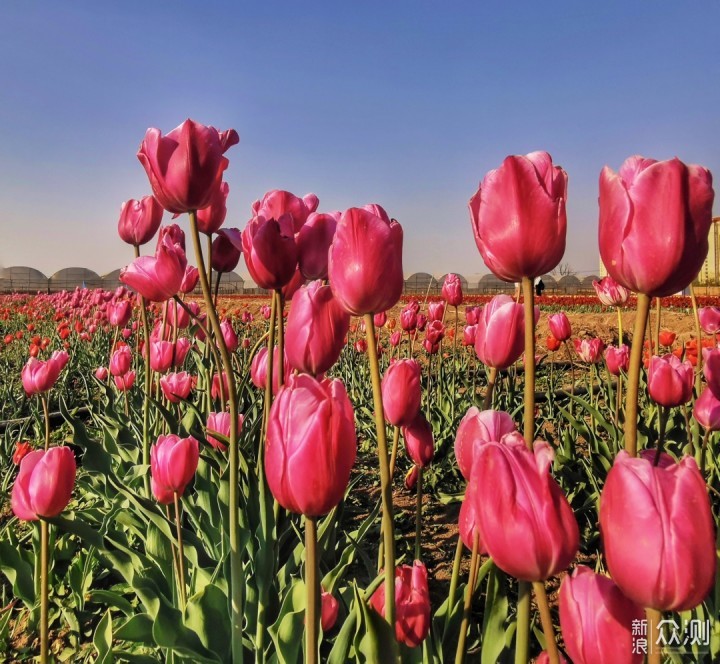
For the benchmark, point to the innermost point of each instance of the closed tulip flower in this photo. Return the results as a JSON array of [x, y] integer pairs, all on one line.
[[709, 319], [469, 335], [408, 319], [412, 604], [419, 442], [411, 478], [525, 521], [401, 392], [654, 223], [518, 217], [617, 359], [190, 280], [39, 376], [120, 361], [472, 315], [44, 484], [667, 338], [329, 608], [552, 343], [435, 332], [395, 339], [379, 320], [173, 462], [476, 428], [118, 314], [610, 292], [711, 369], [658, 532], [229, 336], [176, 386], [212, 217], [276, 203], [125, 382], [139, 220], [219, 423], [316, 329], [597, 620], [311, 445], [670, 381], [436, 311], [560, 326], [452, 290], [589, 350], [270, 251], [313, 241], [101, 373], [258, 369], [226, 250], [707, 410], [161, 355], [215, 386], [157, 278], [365, 261], [175, 316], [500, 334], [186, 166]]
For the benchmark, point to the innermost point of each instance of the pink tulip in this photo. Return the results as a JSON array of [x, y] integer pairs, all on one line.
[[161, 355], [610, 292], [500, 334], [365, 261], [185, 167], [190, 280], [118, 314], [617, 359], [176, 386], [452, 290], [408, 319], [139, 220], [212, 217], [220, 423], [658, 532], [472, 315], [226, 250], [436, 311], [173, 462], [411, 478], [419, 442], [120, 361], [258, 369], [654, 223], [589, 350], [379, 320], [670, 381], [468, 517], [316, 329], [430, 347], [597, 619], [525, 521], [175, 316], [229, 336], [125, 382], [709, 319], [711, 369], [412, 604], [435, 332], [329, 608], [182, 346], [707, 410], [270, 252], [215, 387], [518, 217], [311, 445], [475, 429], [173, 234], [395, 339], [560, 326], [276, 203], [157, 278], [469, 335], [44, 484], [544, 658], [313, 241], [101, 373], [401, 392], [39, 376]]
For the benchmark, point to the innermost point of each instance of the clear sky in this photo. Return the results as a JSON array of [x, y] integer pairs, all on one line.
[[407, 104]]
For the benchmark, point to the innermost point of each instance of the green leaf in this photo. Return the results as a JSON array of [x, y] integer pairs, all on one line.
[[102, 640], [207, 615], [137, 629], [18, 572], [494, 617], [287, 631]]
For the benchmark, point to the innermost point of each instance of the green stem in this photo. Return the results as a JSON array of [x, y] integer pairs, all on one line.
[[181, 555], [457, 562], [393, 454], [44, 601], [388, 524], [280, 306], [148, 387], [418, 513], [529, 414], [703, 451], [236, 570], [522, 636], [312, 587], [492, 379], [662, 422], [633, 382], [654, 650], [546, 620], [469, 591], [46, 417]]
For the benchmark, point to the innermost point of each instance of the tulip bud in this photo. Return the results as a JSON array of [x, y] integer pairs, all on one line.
[[101, 373], [452, 290], [401, 392], [560, 326], [707, 410], [120, 361], [139, 220], [226, 250], [419, 442], [661, 551], [229, 336], [469, 335], [670, 381], [270, 251], [500, 334], [411, 478], [617, 359], [379, 320], [709, 319], [552, 343], [39, 376], [176, 386], [118, 314], [610, 292], [329, 608], [220, 423], [173, 462], [258, 369], [475, 429], [589, 350], [190, 280], [313, 241], [125, 382], [436, 311]]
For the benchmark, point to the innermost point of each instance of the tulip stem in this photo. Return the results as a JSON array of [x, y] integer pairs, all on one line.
[[547, 623], [469, 591], [492, 379], [269, 364], [572, 374], [522, 635], [312, 586], [457, 562], [620, 330], [236, 569], [703, 451], [698, 337], [656, 340], [455, 366], [46, 417], [654, 649], [393, 454], [209, 261], [662, 423], [388, 524], [44, 608], [529, 415], [418, 512], [148, 388], [279, 311], [633, 382], [181, 554]]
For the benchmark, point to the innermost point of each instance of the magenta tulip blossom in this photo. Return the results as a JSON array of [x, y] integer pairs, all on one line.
[[401, 392], [560, 326], [139, 220], [707, 410], [477, 428], [212, 217], [219, 423], [258, 369], [617, 359], [670, 381], [226, 250], [452, 290], [610, 292], [157, 278], [176, 386], [120, 361], [119, 313], [276, 203], [313, 241], [270, 251], [39, 376], [419, 442], [709, 319], [500, 334], [173, 462], [589, 350]]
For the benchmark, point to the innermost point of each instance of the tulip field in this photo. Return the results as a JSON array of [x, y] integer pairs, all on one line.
[[337, 471]]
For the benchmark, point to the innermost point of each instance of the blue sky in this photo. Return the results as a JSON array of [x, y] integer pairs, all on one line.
[[407, 104]]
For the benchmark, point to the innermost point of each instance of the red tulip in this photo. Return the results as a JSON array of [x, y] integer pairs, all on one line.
[[44, 484], [525, 521], [365, 261], [220, 423], [215, 386], [173, 462], [185, 167], [658, 532], [118, 314], [589, 350], [316, 329], [311, 445], [395, 339], [707, 410], [276, 203], [452, 290], [39, 376], [176, 386], [670, 381], [560, 326], [401, 392], [500, 334], [226, 250], [121, 361], [412, 604], [212, 217], [125, 382], [21, 451], [475, 429], [617, 359], [190, 280], [610, 292], [709, 319], [654, 223], [313, 241], [139, 220], [597, 619], [419, 442], [666, 338], [361, 346], [329, 608], [411, 478], [552, 343], [270, 252], [518, 217], [157, 278], [379, 320]]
